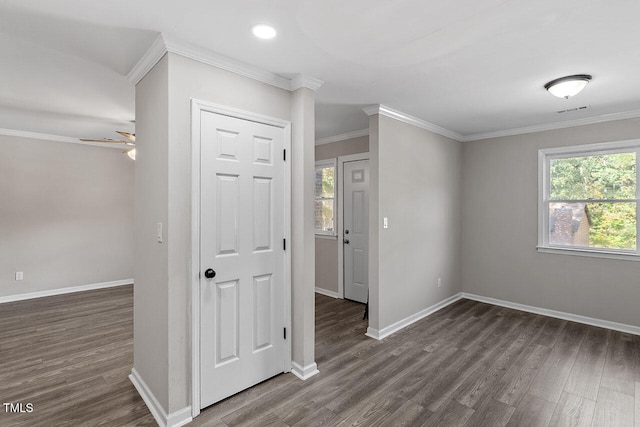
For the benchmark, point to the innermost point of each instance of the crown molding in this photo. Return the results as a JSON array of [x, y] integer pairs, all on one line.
[[372, 110], [302, 80], [207, 57], [163, 44], [553, 126], [406, 118], [343, 137], [389, 112], [151, 57], [55, 138]]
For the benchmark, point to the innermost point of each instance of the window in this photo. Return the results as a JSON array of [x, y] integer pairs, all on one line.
[[589, 199], [325, 203]]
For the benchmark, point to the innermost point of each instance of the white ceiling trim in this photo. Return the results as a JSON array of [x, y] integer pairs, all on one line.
[[151, 57], [56, 138], [406, 118], [551, 126], [301, 80], [342, 137], [164, 44], [207, 57]]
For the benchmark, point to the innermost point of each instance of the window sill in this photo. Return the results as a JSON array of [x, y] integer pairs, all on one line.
[[327, 236], [589, 253]]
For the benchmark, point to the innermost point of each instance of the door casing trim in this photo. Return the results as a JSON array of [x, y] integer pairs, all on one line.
[[197, 106]]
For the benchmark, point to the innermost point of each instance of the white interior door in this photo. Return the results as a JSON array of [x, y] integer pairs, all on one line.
[[356, 230], [242, 220]]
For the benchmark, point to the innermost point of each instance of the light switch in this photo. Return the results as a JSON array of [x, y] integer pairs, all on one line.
[[159, 232], [19, 275], [385, 222]]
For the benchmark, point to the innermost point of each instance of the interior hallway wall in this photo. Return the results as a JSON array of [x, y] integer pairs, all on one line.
[[416, 182]]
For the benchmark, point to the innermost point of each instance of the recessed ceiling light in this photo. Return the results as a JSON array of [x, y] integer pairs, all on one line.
[[565, 87], [263, 31]]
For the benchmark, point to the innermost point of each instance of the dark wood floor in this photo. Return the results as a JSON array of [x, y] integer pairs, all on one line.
[[70, 357], [470, 364]]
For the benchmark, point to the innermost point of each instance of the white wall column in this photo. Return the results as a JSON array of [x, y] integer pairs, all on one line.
[[303, 237]]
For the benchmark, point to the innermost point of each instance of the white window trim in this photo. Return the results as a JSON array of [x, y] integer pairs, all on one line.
[[323, 164], [544, 155]]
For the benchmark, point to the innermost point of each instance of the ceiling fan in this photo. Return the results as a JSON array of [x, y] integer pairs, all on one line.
[[131, 143]]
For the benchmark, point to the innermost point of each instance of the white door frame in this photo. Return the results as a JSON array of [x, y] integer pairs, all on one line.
[[197, 106], [341, 161]]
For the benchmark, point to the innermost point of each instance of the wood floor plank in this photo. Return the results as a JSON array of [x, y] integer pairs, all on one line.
[[620, 365], [553, 374], [532, 411], [420, 372], [491, 414], [586, 374], [485, 380], [574, 411], [367, 414], [614, 409], [410, 414], [452, 413], [321, 417], [515, 383], [551, 331]]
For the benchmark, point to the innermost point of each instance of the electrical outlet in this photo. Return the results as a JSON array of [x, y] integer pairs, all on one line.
[[19, 275], [439, 282]]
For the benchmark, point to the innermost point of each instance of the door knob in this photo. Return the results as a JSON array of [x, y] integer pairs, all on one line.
[[346, 241], [210, 273]]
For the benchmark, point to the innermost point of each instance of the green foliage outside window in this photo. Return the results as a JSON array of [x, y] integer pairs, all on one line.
[[606, 184]]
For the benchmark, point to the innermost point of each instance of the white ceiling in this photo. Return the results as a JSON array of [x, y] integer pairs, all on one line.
[[470, 66]]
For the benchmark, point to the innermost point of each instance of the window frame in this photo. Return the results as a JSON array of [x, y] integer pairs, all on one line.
[[325, 164], [544, 189]]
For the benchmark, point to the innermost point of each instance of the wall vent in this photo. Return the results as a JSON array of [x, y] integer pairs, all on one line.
[[570, 110]]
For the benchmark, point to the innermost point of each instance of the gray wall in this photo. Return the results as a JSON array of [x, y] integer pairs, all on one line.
[[327, 248], [499, 257], [150, 295], [66, 215], [342, 148], [418, 179]]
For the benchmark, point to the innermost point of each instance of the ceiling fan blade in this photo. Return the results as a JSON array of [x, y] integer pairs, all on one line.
[[130, 136], [106, 141]]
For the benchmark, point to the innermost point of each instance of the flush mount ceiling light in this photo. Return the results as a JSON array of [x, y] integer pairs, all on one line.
[[565, 87], [131, 152], [263, 31]]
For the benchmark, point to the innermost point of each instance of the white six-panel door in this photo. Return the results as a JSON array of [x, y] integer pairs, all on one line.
[[242, 220], [356, 230]]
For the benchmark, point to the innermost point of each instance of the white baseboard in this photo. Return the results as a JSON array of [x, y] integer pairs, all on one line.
[[306, 372], [60, 291], [175, 419], [385, 332], [630, 329], [331, 294]]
